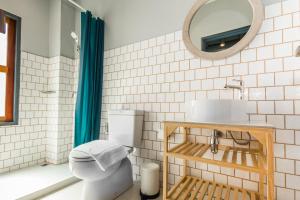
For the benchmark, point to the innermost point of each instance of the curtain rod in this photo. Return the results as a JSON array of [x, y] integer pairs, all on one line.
[[77, 5]]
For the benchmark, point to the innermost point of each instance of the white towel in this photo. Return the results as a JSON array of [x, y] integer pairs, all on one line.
[[105, 153]]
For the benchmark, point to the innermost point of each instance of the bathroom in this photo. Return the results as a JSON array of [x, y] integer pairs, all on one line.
[[244, 97]]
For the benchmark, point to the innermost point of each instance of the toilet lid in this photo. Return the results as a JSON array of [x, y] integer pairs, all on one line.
[[83, 152], [80, 156]]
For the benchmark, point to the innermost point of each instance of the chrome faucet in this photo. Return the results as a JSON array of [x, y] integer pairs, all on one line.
[[214, 142], [239, 87]]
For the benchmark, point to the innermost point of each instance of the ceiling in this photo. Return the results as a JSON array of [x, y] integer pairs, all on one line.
[[268, 2]]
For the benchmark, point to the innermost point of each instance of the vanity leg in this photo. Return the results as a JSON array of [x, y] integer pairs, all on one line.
[[270, 166], [165, 178], [261, 185], [165, 165], [185, 162], [261, 175]]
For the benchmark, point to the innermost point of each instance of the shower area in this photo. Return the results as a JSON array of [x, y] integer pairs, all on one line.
[[34, 151]]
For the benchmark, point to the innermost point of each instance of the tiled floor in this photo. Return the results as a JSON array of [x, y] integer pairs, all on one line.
[[20, 183], [73, 192]]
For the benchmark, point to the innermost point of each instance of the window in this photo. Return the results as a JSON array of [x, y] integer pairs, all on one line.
[[9, 67]]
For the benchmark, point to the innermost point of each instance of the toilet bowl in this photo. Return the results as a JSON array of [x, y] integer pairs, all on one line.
[[107, 182], [99, 184]]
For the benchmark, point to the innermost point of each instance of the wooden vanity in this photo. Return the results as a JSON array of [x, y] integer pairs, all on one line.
[[253, 160]]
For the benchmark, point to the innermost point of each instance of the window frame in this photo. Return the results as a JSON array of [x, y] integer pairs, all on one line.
[[17, 62]]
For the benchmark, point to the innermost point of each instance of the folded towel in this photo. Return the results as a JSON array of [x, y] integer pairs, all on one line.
[[105, 153]]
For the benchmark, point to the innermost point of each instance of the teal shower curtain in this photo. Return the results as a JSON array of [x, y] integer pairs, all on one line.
[[89, 95]]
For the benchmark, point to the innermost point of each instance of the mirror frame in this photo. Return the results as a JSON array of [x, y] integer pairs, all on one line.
[[258, 17]]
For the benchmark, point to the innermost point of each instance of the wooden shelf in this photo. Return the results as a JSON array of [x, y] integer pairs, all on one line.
[[259, 160], [191, 188], [238, 158]]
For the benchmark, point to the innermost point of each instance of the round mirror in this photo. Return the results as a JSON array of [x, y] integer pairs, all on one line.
[[217, 29]]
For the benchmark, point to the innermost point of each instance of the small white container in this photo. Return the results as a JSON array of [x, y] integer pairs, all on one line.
[[150, 179]]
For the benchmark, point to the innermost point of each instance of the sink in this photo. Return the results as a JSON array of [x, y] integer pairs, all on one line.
[[215, 110]]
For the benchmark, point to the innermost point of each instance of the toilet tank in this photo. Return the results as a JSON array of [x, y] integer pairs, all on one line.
[[126, 127]]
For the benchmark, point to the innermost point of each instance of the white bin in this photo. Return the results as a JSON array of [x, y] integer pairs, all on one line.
[[150, 179]]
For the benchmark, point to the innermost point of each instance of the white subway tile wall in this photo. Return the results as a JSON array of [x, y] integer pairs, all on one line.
[[61, 74], [45, 128], [159, 76], [24, 145]]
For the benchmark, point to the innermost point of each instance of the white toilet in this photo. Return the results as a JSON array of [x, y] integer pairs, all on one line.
[[108, 181]]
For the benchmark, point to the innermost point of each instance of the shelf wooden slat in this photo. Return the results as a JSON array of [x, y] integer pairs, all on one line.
[[202, 151], [232, 157], [189, 188], [227, 194], [180, 189], [203, 190], [253, 196], [195, 192], [211, 191], [219, 192], [244, 158], [195, 188], [196, 149], [182, 147], [236, 194], [244, 195], [177, 146], [176, 185], [189, 148]]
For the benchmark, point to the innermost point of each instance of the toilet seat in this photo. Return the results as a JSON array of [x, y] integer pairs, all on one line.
[[83, 163], [82, 159], [77, 156], [104, 152]]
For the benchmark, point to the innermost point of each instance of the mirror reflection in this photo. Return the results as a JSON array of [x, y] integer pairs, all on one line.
[[220, 24]]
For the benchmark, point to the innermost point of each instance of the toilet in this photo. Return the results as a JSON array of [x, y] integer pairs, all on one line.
[[103, 164]]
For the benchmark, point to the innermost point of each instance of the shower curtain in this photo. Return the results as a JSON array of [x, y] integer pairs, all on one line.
[[89, 95]]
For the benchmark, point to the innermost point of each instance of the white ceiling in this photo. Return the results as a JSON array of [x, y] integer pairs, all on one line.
[[268, 2]]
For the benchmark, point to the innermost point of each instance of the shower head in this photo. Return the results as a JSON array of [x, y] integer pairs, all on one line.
[[74, 36]]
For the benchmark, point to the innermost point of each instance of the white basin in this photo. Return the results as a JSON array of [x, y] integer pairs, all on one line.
[[208, 110]]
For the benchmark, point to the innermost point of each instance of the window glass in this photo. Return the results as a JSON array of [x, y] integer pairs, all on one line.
[[2, 93], [9, 70], [3, 47]]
